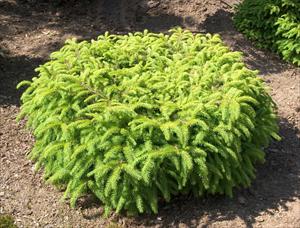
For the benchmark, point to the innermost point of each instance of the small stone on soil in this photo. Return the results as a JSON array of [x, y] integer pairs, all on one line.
[[274, 150], [260, 219], [242, 200]]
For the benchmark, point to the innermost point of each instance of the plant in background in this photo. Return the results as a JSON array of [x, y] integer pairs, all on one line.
[[273, 24], [142, 117], [7, 221]]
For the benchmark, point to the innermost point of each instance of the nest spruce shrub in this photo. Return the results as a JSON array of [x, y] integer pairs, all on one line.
[[273, 24], [136, 119]]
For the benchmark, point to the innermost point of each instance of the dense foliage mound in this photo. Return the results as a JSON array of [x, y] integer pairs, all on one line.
[[138, 118], [273, 24]]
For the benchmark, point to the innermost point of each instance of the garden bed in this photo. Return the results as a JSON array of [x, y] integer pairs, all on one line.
[[30, 32]]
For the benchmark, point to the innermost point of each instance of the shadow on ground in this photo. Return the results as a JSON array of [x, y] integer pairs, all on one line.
[[14, 69]]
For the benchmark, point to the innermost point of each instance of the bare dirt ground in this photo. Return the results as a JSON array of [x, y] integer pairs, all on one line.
[[30, 30]]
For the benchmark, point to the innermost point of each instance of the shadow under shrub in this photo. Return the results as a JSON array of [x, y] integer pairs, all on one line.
[[273, 24], [138, 118]]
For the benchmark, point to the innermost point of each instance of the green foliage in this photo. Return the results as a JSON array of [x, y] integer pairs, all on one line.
[[273, 24], [7, 221], [141, 117]]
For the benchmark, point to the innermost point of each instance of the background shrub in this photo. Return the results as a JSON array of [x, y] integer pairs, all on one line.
[[141, 117], [273, 24]]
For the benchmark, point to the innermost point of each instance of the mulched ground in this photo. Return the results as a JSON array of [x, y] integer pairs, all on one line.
[[30, 30]]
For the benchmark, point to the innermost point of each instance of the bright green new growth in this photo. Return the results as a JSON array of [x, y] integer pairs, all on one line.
[[141, 117], [273, 24]]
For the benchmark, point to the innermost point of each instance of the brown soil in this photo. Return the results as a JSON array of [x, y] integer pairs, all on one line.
[[30, 30]]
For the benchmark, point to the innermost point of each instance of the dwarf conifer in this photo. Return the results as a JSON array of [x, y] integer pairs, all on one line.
[[142, 117]]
